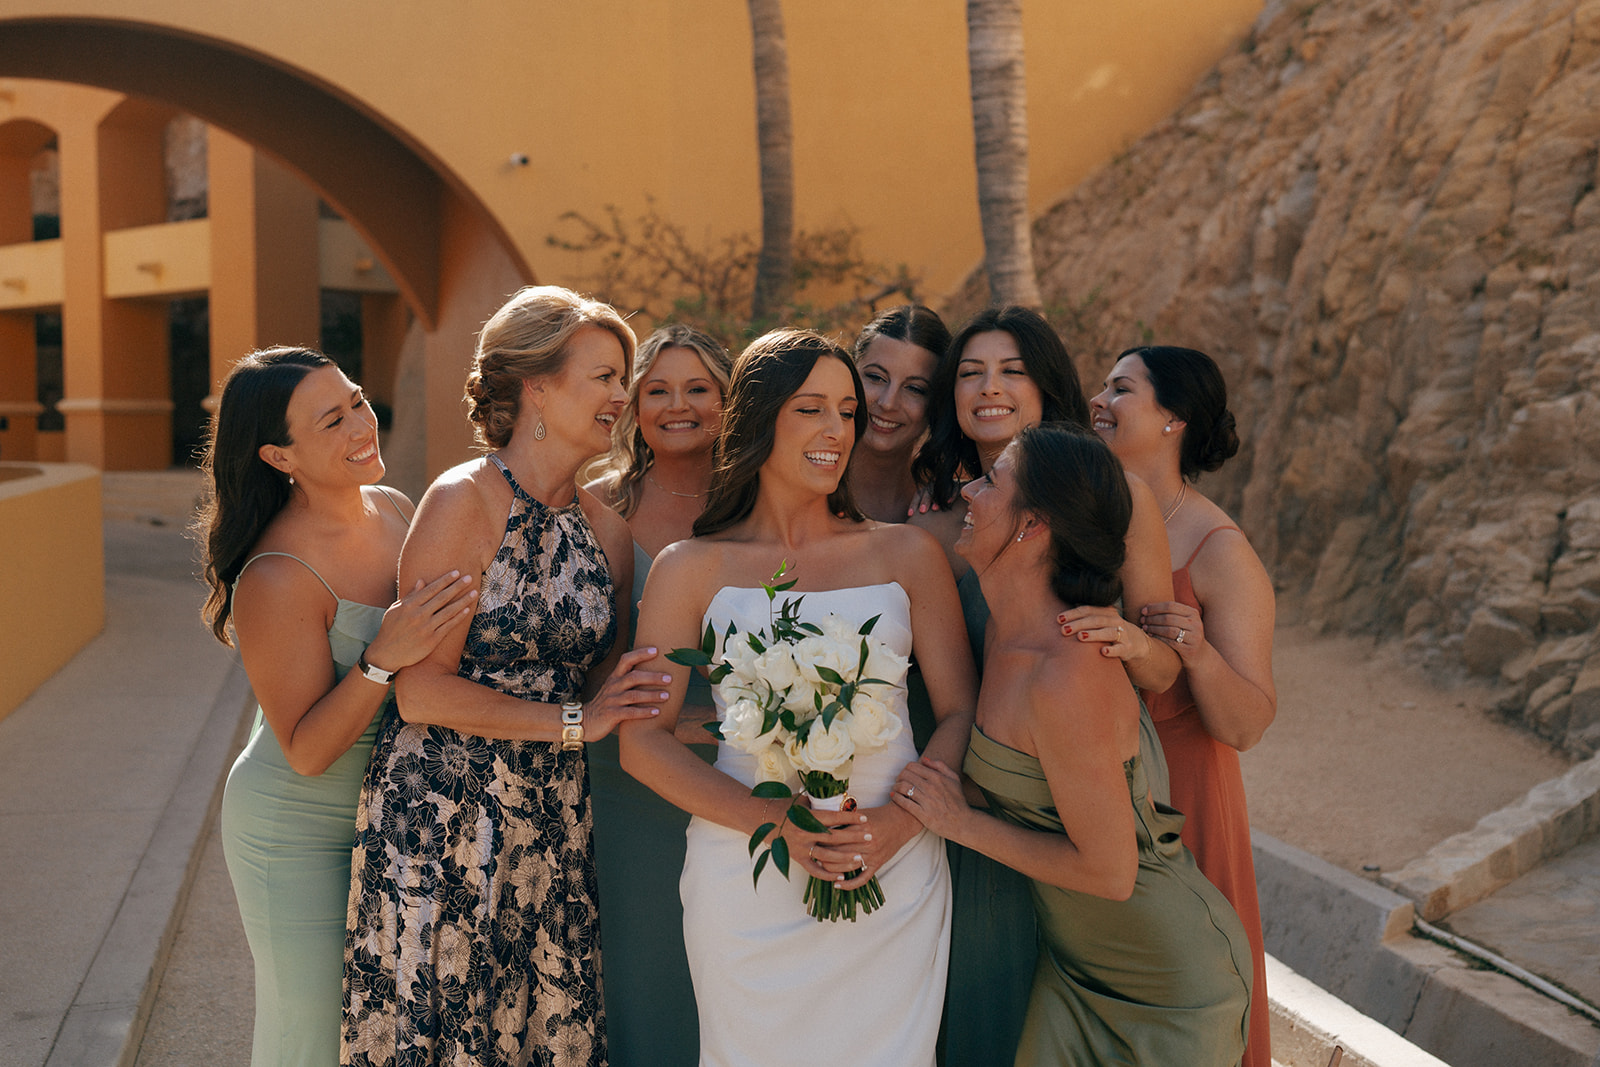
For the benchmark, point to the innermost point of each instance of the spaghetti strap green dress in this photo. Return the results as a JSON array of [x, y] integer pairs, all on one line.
[[287, 839], [1160, 978]]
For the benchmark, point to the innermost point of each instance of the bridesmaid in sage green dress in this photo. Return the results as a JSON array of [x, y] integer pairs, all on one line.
[[293, 463], [1141, 959], [656, 477]]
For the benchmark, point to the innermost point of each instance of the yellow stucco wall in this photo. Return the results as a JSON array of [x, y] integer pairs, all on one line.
[[52, 583], [616, 100]]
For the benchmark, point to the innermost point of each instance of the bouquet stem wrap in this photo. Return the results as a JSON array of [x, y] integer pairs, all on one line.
[[823, 900]]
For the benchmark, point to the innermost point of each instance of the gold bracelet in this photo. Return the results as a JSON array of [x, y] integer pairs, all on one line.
[[571, 726]]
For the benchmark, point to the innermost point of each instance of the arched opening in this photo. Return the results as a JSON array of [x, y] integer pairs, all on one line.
[[449, 258]]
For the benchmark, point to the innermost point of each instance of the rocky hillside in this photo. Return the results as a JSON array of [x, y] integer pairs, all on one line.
[[1380, 216]]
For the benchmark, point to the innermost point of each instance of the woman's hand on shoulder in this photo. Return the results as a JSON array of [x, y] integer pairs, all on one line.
[[1117, 638]]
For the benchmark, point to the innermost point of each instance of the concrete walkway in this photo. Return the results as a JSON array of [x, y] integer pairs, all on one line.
[[107, 778], [120, 939]]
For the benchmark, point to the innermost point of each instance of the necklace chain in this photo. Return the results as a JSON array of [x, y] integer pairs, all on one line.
[[1183, 490], [674, 492]]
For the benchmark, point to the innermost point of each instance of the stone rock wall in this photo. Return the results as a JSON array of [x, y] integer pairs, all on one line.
[[1380, 216]]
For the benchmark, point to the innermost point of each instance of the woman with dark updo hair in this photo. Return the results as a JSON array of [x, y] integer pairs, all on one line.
[[474, 924], [1164, 412], [300, 549], [1141, 959]]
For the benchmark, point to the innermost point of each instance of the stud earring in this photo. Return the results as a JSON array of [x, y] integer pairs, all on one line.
[[1166, 429], [1020, 536]]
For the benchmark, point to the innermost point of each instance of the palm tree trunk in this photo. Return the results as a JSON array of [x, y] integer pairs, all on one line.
[[1000, 127], [775, 267]]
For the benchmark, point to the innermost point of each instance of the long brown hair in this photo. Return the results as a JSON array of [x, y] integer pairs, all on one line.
[[765, 376], [244, 493]]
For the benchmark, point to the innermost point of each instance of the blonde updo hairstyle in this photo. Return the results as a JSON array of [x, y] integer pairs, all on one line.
[[527, 339]]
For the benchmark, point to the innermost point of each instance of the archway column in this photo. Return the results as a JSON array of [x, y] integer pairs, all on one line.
[[264, 270], [117, 400]]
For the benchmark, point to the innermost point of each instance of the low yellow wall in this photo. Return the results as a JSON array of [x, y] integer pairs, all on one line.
[[52, 576]]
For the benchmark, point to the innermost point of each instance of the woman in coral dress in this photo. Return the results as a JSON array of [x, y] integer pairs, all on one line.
[[1164, 412]]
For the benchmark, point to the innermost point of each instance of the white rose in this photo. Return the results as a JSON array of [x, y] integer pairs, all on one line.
[[802, 700], [740, 657], [824, 750], [883, 662], [776, 667], [772, 765], [815, 652], [741, 726], [837, 629], [872, 724]]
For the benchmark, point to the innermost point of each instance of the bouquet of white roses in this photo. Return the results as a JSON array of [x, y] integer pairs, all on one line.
[[799, 697]]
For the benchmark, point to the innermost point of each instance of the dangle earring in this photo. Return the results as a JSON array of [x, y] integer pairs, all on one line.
[[538, 431]]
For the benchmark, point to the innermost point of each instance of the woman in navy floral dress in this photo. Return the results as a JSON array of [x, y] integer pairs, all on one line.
[[474, 925]]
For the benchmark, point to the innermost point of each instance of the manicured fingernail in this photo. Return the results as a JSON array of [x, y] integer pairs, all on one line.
[[454, 574], [663, 696], [866, 837], [858, 859], [863, 818], [655, 711], [668, 679], [1066, 630]]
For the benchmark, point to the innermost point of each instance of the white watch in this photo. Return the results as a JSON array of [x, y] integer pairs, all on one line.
[[571, 726], [376, 674]]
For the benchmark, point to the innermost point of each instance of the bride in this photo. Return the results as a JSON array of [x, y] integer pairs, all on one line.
[[775, 986]]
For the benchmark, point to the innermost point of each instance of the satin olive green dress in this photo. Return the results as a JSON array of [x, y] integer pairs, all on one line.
[[639, 848], [993, 934], [1160, 978]]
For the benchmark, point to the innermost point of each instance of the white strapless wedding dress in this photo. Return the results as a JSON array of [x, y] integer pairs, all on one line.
[[775, 987]]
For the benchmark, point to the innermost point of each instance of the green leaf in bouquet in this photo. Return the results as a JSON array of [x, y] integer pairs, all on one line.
[[755, 875], [755, 643], [816, 698], [830, 713], [862, 664], [780, 856], [713, 728], [828, 674], [708, 642], [689, 657], [774, 590], [866, 627], [719, 672], [772, 717], [811, 628], [761, 835], [771, 791], [875, 681], [802, 817], [847, 693]]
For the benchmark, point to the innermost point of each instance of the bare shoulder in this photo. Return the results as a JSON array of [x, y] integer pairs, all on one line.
[[456, 524], [378, 494], [908, 549], [696, 560]]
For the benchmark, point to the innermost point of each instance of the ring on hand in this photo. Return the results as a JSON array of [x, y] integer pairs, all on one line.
[[1181, 632], [811, 853], [1119, 630], [910, 791]]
